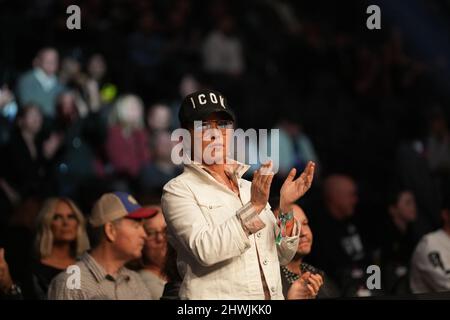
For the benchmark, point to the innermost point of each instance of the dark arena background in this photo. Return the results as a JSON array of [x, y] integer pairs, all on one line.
[[90, 94]]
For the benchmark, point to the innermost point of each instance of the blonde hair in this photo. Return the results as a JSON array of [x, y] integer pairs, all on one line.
[[117, 115], [44, 234]]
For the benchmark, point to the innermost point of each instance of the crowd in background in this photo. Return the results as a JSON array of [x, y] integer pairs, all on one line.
[[89, 111]]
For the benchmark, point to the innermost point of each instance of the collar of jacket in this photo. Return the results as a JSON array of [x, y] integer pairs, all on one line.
[[235, 168]]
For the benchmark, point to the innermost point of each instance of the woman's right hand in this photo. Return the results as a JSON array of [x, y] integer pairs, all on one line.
[[260, 189]]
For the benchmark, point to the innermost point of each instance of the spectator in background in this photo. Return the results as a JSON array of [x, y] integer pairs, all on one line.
[[158, 118], [430, 265], [338, 247], [438, 148], [98, 90], [157, 173], [222, 49], [413, 172], [296, 149], [61, 237], [154, 253], [77, 158], [319, 285], [41, 85], [127, 142], [117, 238], [27, 156], [398, 241], [145, 53]]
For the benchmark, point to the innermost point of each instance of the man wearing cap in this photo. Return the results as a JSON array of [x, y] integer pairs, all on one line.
[[117, 238], [229, 243]]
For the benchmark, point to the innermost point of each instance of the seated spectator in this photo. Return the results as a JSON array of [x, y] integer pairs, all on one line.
[[127, 142], [438, 144], [98, 90], [61, 238], [222, 49], [27, 156], [159, 117], [157, 173], [430, 265], [81, 138], [41, 85], [320, 286], [154, 254], [438, 149], [338, 247], [398, 241], [118, 237], [295, 149]]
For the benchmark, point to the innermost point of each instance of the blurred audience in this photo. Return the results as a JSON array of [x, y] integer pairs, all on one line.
[[399, 238], [430, 265], [222, 49], [79, 157], [338, 247], [41, 84], [127, 143], [25, 161]]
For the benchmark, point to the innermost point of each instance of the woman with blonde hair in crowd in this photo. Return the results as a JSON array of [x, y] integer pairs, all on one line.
[[127, 143], [61, 237]]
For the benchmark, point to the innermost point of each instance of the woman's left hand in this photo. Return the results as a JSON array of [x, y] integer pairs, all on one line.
[[292, 190]]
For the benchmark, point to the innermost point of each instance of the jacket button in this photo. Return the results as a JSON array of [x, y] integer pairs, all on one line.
[[258, 234], [210, 207], [265, 262], [272, 289]]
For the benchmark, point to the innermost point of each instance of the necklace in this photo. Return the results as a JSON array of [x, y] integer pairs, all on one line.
[[290, 276]]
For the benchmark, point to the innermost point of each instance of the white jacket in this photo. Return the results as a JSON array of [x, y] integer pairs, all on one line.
[[216, 258], [430, 264]]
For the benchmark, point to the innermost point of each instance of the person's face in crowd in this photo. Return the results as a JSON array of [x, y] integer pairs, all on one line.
[[405, 207], [158, 117], [155, 247], [128, 238], [132, 112], [188, 85], [67, 103], [163, 146], [342, 195], [96, 66], [48, 61], [215, 136], [70, 66], [306, 236], [64, 224], [31, 121]]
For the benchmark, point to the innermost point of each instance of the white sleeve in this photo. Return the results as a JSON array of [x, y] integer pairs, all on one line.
[[428, 265], [208, 244]]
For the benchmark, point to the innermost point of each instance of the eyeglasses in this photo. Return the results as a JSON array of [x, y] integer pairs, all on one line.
[[153, 234], [213, 124]]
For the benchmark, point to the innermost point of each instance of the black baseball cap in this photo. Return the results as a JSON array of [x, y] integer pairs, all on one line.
[[199, 105]]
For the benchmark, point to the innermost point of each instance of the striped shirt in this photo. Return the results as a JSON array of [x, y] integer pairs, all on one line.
[[96, 284]]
